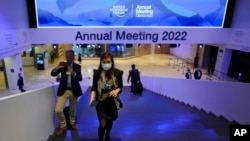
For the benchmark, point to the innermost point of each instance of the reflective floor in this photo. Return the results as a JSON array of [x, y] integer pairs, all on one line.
[[150, 117], [153, 65]]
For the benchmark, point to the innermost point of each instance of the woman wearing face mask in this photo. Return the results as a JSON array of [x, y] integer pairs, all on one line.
[[107, 85]]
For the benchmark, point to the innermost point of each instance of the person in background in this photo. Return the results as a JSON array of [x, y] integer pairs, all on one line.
[[79, 58], [196, 60], [52, 56], [107, 85], [20, 83], [211, 66], [69, 89], [198, 74], [188, 74], [134, 74], [24, 53]]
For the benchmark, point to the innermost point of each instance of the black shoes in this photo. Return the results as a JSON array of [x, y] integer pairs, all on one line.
[[60, 131], [107, 138]]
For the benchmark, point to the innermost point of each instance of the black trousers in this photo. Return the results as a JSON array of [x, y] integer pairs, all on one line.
[[133, 83], [21, 89]]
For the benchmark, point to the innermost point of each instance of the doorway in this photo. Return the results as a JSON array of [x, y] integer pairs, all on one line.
[[240, 64], [209, 58]]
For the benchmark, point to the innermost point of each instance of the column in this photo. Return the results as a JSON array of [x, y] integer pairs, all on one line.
[[13, 66]]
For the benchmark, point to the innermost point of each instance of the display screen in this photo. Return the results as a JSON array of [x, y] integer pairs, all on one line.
[[130, 13], [39, 59]]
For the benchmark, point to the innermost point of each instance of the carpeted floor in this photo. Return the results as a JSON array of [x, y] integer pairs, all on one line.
[[150, 117]]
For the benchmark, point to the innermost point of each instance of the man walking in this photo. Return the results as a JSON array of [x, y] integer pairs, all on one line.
[[69, 89], [20, 83], [134, 74]]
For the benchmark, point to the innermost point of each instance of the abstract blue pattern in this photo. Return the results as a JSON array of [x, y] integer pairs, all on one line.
[[128, 13]]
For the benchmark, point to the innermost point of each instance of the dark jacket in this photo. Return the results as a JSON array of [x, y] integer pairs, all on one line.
[[135, 75], [20, 81], [118, 74], [76, 88], [196, 74], [188, 75]]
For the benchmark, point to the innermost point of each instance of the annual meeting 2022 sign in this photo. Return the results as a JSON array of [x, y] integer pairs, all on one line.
[[129, 35], [141, 36]]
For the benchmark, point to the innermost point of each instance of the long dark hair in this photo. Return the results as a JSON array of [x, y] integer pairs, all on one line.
[[111, 71]]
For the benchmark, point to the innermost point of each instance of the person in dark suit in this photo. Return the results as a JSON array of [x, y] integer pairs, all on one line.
[[211, 66], [188, 74], [197, 74], [106, 88], [52, 56], [69, 89], [79, 58], [196, 60], [134, 74], [20, 83]]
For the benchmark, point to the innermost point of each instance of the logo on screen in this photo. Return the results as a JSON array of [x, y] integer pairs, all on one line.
[[118, 10], [144, 11]]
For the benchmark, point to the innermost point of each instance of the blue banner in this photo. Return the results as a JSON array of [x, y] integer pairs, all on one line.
[[131, 13]]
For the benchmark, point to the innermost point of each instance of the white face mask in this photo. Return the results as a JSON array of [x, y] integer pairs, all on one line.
[[106, 66]]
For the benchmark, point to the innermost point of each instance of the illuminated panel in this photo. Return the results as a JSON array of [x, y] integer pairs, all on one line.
[[131, 13]]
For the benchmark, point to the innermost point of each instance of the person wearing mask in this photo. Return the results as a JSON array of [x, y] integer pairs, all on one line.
[[106, 87], [134, 74], [69, 89]]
